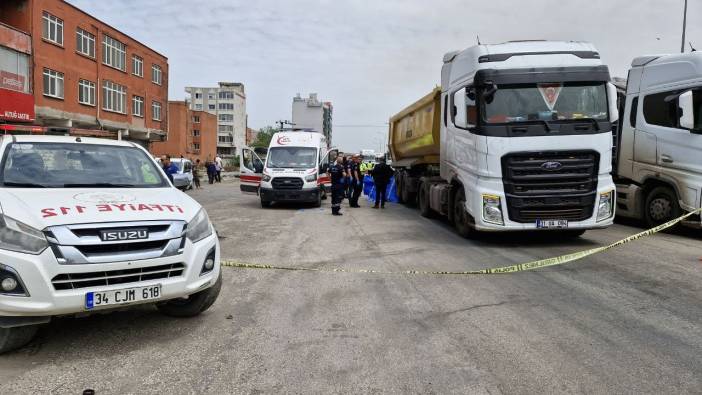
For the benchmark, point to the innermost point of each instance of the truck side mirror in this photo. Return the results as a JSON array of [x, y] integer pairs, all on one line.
[[687, 111], [612, 101]]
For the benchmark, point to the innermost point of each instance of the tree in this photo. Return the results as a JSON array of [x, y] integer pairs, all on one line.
[[263, 139]]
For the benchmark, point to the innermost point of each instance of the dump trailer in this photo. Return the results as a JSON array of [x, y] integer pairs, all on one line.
[[518, 137]]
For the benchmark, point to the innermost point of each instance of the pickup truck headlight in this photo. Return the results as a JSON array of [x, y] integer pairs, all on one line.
[[200, 227], [605, 208], [19, 237], [492, 210], [311, 177]]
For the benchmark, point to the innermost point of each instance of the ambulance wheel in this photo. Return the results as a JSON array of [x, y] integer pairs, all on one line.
[[661, 206], [318, 202], [265, 203], [192, 305], [14, 338], [461, 216]]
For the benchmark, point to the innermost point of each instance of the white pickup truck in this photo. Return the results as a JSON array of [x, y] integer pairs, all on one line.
[[88, 225]]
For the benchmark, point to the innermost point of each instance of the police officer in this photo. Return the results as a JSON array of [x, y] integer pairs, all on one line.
[[338, 178], [356, 180]]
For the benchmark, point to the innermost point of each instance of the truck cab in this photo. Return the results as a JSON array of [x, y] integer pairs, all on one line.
[[293, 170], [659, 151]]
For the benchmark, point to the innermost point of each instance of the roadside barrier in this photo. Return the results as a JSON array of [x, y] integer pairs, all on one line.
[[559, 260]]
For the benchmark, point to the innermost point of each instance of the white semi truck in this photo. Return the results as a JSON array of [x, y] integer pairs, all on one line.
[[518, 137], [658, 161]]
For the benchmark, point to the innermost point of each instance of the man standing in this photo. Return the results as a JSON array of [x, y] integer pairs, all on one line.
[[168, 167], [338, 176], [356, 180], [218, 168], [381, 174], [196, 174]]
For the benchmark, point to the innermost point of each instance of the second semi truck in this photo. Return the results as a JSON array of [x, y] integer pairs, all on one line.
[[518, 137]]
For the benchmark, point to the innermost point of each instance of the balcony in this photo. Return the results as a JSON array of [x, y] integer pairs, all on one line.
[[15, 39]]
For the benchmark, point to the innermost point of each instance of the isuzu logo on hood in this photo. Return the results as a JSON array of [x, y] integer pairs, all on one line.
[[551, 166]]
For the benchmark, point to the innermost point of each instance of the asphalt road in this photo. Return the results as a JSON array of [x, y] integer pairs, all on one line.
[[625, 321]]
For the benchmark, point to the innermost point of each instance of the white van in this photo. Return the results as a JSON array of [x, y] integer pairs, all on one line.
[[88, 225], [183, 180], [294, 169]]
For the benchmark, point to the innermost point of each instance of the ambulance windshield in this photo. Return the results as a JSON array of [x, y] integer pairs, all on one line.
[[292, 158]]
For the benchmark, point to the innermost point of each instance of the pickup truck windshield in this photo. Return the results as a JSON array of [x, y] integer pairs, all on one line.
[[547, 102], [76, 165], [292, 157]]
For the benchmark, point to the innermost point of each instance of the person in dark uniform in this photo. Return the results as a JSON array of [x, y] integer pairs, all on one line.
[[348, 190], [356, 180], [338, 178], [381, 174]]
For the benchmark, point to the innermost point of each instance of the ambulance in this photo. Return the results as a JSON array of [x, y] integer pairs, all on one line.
[[294, 169], [92, 225]]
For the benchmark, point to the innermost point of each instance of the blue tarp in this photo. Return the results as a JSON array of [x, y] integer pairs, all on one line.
[[391, 195]]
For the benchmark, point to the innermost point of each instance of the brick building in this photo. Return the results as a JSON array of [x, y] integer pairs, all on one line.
[[251, 136], [192, 134], [85, 76]]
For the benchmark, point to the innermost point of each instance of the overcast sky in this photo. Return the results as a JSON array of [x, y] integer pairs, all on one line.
[[371, 58]]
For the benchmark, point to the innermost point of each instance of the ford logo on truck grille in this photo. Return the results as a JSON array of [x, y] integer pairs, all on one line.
[[124, 234], [551, 166]]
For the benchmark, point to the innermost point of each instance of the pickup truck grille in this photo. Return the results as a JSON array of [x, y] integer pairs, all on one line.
[[287, 183], [550, 185], [113, 277], [81, 243]]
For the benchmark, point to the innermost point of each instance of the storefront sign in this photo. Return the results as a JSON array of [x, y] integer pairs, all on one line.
[[11, 81], [16, 106]]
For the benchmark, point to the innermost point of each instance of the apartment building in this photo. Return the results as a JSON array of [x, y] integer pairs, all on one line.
[[228, 103], [191, 134], [312, 114], [85, 76]]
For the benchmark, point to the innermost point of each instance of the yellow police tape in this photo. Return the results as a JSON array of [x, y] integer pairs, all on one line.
[[559, 260]]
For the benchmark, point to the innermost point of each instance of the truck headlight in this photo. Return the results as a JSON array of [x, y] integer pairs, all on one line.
[[200, 227], [492, 209], [265, 178], [605, 208], [19, 237], [311, 177]]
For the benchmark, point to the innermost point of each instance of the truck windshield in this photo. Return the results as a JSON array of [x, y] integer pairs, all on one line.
[[76, 165], [292, 157], [548, 102]]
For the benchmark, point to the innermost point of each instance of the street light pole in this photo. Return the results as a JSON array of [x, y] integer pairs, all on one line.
[[682, 46]]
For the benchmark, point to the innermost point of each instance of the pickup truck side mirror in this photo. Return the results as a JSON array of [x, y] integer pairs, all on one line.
[[687, 111]]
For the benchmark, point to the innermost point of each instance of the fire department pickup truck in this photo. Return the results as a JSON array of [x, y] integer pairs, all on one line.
[[89, 225]]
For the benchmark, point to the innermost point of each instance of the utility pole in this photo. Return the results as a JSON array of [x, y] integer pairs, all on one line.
[[682, 46]]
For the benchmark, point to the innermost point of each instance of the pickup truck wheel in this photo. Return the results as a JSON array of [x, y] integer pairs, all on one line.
[[194, 304], [14, 338], [661, 206], [424, 206], [460, 216]]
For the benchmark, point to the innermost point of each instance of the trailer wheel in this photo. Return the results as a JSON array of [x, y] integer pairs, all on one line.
[[661, 206], [460, 216], [424, 205], [399, 179], [14, 338]]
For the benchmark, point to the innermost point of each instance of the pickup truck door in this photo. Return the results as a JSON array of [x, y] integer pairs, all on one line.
[[323, 179], [250, 171]]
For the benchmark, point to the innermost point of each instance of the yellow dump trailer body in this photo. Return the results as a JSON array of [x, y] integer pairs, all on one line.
[[414, 132]]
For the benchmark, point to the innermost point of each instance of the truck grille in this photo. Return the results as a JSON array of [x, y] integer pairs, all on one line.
[[287, 183], [81, 243], [113, 277], [550, 185]]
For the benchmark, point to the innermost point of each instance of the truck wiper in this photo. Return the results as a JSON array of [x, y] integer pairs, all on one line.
[[545, 122], [99, 185], [594, 122], [23, 185]]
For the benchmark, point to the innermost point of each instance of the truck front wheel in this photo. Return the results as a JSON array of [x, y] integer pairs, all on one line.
[[192, 305], [461, 216], [16, 337], [661, 206]]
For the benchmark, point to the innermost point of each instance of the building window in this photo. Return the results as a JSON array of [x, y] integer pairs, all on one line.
[[137, 66], [211, 106], [226, 128], [14, 70], [86, 92], [85, 43], [211, 96], [196, 119], [156, 111], [226, 139], [156, 74], [138, 106], [196, 146], [196, 133], [198, 95], [198, 107], [114, 53], [114, 97], [224, 150], [226, 106], [226, 117], [52, 28], [53, 84], [226, 95]]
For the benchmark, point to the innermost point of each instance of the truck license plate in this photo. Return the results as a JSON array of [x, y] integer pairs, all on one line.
[[122, 296], [551, 223]]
